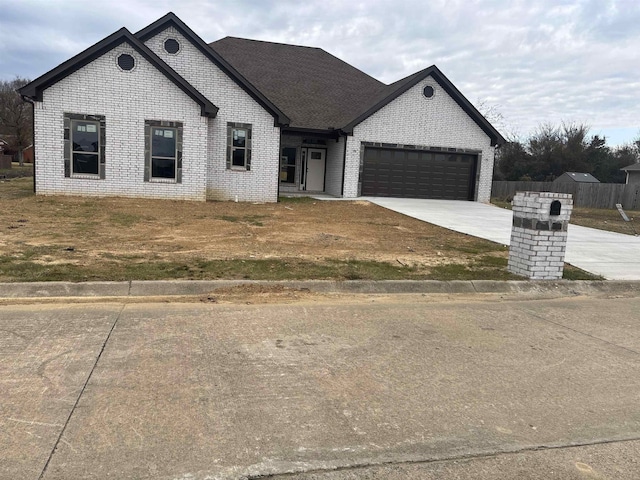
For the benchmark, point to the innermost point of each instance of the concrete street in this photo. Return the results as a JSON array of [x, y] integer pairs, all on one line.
[[386, 386], [612, 255]]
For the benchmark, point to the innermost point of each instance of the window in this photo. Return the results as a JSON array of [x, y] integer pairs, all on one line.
[[163, 151], [288, 165], [238, 146], [84, 145]]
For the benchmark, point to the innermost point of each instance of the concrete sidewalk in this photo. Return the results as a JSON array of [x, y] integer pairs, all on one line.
[[613, 255]]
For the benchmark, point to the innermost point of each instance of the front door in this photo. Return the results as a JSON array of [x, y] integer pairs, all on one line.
[[315, 169]]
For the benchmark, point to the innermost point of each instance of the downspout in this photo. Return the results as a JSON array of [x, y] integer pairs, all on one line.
[[33, 135], [344, 164], [279, 166]]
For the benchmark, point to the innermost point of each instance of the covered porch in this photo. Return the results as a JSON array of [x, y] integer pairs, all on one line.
[[311, 162]]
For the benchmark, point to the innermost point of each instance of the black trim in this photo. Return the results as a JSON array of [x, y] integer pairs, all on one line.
[[171, 19], [35, 89], [330, 133], [447, 86], [344, 165]]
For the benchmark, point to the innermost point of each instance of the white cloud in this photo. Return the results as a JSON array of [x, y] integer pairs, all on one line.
[[543, 61]]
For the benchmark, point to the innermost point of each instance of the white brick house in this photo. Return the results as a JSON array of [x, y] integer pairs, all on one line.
[[162, 114]]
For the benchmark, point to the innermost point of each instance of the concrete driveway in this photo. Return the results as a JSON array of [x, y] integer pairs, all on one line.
[[613, 255]]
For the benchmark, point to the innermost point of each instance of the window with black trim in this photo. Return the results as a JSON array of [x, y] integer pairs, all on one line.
[[238, 146], [163, 151], [84, 139]]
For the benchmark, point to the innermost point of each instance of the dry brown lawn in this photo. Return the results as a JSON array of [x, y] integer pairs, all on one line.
[[81, 238]]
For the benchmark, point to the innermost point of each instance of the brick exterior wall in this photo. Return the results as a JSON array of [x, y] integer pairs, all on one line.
[[539, 239], [412, 119], [335, 162], [126, 99], [260, 184]]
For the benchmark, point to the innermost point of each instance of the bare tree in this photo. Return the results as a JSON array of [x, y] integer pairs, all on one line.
[[15, 116]]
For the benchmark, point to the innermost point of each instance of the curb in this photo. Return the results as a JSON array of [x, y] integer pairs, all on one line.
[[140, 288]]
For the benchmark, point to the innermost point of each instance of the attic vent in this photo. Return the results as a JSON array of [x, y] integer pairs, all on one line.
[[172, 46], [126, 62], [428, 91]]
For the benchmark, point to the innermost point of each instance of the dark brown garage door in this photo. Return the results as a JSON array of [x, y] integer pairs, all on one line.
[[418, 174]]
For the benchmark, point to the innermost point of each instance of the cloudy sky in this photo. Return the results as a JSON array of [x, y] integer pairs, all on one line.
[[534, 61]]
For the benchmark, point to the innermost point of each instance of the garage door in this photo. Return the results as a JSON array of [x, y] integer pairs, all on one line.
[[391, 172]]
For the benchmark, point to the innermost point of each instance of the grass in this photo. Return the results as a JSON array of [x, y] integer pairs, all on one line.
[[600, 218], [16, 171], [117, 269], [297, 199], [255, 220]]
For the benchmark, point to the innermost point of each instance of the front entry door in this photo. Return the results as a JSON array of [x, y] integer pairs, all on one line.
[[316, 158]]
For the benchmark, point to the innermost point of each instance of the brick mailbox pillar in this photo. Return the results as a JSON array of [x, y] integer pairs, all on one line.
[[539, 234]]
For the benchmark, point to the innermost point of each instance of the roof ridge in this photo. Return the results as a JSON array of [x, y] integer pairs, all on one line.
[[266, 41]]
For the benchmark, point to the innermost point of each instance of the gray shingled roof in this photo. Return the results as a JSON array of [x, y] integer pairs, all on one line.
[[312, 87], [318, 91], [633, 167], [580, 177]]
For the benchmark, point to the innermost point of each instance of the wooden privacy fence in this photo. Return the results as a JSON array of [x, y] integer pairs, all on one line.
[[589, 195]]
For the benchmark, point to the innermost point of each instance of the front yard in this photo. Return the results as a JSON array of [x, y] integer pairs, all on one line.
[[80, 239]]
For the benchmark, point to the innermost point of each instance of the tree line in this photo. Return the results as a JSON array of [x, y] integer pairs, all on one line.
[[16, 124], [552, 150]]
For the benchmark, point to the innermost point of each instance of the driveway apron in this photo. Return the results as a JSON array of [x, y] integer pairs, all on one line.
[[613, 255]]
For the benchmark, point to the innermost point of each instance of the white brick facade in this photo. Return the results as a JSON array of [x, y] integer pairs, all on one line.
[[126, 99], [413, 119], [261, 182]]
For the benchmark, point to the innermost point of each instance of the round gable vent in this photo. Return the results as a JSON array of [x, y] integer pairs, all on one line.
[[171, 45], [126, 62], [428, 91]]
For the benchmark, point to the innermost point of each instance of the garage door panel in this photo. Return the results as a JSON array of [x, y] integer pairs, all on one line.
[[417, 174]]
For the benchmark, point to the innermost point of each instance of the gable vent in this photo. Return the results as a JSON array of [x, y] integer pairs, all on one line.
[[172, 46], [126, 62]]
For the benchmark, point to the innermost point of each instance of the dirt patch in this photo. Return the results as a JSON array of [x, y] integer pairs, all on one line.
[[81, 238]]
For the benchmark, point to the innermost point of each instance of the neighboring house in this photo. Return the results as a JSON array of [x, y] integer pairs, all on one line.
[[163, 114], [27, 154], [575, 177], [633, 174]]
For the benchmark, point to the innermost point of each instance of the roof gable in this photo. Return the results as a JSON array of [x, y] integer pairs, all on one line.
[[171, 19], [35, 89], [317, 90], [578, 177], [396, 89]]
